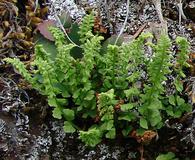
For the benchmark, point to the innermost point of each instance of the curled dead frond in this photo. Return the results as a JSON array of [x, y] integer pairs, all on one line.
[[17, 24]]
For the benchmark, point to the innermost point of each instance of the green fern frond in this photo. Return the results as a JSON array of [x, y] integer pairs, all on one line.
[[109, 67], [84, 68], [182, 55], [134, 51], [41, 54], [104, 101], [91, 137], [158, 68], [63, 58], [105, 105], [46, 68], [86, 27], [91, 50], [21, 68], [49, 78], [58, 36], [133, 56]]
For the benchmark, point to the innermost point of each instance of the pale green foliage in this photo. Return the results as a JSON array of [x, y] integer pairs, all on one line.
[[182, 55], [158, 68], [86, 27], [181, 61], [105, 106], [91, 137], [92, 87], [20, 67], [177, 106], [168, 156], [68, 127]]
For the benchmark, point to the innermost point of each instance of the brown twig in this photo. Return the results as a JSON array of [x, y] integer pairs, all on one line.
[[63, 29], [139, 31]]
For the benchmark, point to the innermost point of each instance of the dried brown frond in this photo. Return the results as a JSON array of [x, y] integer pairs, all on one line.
[[18, 20]]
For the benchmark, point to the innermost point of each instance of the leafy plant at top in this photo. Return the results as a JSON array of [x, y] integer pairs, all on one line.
[[111, 90]]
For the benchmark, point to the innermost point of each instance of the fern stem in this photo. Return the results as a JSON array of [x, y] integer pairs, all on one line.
[[63, 29], [124, 24]]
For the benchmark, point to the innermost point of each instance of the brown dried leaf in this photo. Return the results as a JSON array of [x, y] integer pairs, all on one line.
[[36, 20], [44, 29], [145, 138], [1, 35], [193, 98]]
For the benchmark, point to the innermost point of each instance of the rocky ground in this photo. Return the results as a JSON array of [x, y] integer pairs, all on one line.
[[27, 129]]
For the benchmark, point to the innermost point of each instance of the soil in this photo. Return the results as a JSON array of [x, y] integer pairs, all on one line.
[[29, 132]]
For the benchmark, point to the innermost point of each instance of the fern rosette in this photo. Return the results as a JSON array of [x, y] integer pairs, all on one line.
[[107, 90]]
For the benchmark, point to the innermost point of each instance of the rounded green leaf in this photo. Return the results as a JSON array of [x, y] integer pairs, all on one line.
[[126, 107], [143, 123], [68, 128], [111, 134], [57, 113], [68, 114]]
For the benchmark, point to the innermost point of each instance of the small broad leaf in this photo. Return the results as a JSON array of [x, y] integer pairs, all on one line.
[[68, 128], [177, 114], [65, 19], [76, 93], [107, 117], [155, 120], [61, 101], [126, 107], [180, 100], [48, 45], [143, 123], [57, 113], [131, 92], [186, 107], [178, 85], [52, 102], [127, 116], [44, 29], [156, 104], [168, 156], [172, 100], [90, 95], [107, 84], [62, 88], [68, 114], [111, 133], [107, 125], [169, 110], [127, 130]]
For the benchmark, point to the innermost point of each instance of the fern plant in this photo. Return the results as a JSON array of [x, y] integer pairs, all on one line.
[[157, 70], [115, 91]]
